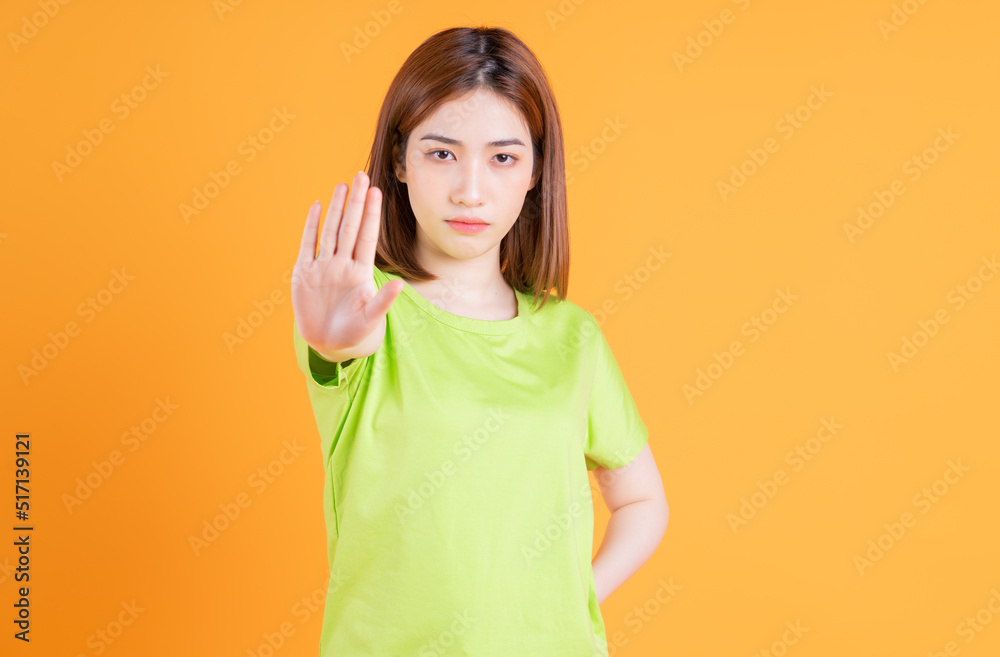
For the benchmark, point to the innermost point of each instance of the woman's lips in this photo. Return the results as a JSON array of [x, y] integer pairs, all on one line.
[[467, 227]]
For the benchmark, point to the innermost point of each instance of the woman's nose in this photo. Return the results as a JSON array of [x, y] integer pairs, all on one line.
[[468, 186]]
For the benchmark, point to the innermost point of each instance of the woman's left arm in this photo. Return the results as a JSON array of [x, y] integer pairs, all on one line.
[[639, 513]]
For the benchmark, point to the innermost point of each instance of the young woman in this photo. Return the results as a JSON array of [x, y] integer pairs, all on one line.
[[459, 416]]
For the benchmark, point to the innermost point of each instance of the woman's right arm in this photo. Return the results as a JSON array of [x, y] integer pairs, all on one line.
[[338, 310]]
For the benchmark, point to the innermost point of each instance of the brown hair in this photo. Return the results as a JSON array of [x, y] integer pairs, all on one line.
[[534, 254]]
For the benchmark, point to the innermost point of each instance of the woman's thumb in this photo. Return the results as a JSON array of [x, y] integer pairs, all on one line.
[[379, 304]]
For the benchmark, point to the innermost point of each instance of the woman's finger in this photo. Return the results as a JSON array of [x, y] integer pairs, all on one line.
[[328, 240], [348, 232], [307, 249], [364, 250]]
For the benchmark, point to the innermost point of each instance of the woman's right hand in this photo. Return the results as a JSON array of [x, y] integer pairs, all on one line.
[[336, 303]]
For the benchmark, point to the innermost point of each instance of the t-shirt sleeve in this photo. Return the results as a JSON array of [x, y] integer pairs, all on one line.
[[615, 431], [321, 373]]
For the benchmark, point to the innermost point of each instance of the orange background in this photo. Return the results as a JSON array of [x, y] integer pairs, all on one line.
[[655, 184]]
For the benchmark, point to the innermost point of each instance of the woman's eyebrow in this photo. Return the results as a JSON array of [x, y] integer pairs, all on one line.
[[495, 144]]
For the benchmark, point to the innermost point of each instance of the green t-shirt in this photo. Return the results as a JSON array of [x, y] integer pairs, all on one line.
[[457, 501]]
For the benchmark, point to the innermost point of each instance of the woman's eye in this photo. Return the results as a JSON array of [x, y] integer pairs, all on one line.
[[507, 160]]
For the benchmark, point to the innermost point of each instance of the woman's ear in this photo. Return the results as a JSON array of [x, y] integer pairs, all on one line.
[[398, 161]]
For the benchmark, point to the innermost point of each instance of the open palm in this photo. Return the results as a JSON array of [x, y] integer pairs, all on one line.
[[336, 303]]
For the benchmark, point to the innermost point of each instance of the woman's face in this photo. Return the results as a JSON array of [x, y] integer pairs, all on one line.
[[472, 158]]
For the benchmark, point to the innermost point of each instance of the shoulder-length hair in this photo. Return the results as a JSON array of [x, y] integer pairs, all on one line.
[[534, 254]]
